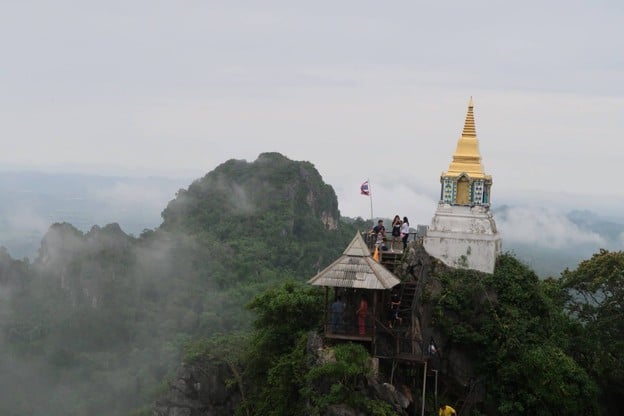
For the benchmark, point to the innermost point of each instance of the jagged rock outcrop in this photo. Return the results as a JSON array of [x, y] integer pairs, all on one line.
[[372, 386], [80, 263], [206, 389], [455, 368], [200, 391]]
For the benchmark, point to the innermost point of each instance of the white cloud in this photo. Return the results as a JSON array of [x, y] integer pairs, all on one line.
[[139, 195], [25, 221], [361, 91], [543, 227]]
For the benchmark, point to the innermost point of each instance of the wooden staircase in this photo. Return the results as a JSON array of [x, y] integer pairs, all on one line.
[[408, 302], [391, 259], [466, 404]]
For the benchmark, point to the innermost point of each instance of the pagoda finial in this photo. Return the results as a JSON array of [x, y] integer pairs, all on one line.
[[467, 158], [469, 124]]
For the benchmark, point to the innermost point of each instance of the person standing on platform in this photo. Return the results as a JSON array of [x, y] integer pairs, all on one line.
[[379, 228], [378, 235], [405, 232], [396, 231], [337, 310], [395, 304]]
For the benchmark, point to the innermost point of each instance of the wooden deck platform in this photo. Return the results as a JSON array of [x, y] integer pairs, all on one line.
[[349, 337], [414, 358]]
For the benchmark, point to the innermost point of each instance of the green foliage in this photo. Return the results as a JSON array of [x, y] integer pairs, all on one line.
[[101, 306], [341, 381], [283, 314], [338, 381], [279, 392], [229, 347], [294, 386], [595, 299], [543, 381], [512, 327], [248, 210], [99, 320], [275, 362]]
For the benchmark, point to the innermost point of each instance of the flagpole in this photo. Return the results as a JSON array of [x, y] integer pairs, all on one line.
[[370, 196]]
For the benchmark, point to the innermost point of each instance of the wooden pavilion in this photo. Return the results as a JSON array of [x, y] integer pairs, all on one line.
[[354, 276]]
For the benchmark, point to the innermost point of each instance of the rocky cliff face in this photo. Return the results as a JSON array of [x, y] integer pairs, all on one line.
[[454, 368], [81, 263], [208, 390], [200, 390]]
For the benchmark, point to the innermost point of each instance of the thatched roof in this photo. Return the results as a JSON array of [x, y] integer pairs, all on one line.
[[356, 269]]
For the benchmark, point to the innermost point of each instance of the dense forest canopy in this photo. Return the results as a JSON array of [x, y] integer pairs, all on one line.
[[98, 322]]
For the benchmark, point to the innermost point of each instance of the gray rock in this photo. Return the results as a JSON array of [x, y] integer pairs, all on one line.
[[200, 390], [341, 410]]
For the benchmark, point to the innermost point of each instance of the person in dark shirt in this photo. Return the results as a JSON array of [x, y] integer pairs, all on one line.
[[379, 228], [396, 231], [395, 303], [379, 234], [337, 310]]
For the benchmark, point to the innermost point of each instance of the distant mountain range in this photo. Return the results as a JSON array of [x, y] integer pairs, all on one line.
[[547, 240], [31, 201]]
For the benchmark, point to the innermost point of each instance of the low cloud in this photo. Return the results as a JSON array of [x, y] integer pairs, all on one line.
[[24, 220], [138, 194], [135, 204], [545, 228]]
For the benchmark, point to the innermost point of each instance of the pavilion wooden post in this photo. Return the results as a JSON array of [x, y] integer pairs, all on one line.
[[326, 314], [374, 322], [422, 407]]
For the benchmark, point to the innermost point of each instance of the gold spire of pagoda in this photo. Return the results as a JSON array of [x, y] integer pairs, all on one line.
[[467, 158], [469, 124]]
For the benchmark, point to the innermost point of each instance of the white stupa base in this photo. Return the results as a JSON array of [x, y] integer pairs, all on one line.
[[464, 237]]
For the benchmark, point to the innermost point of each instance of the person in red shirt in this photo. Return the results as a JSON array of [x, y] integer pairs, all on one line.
[[361, 312]]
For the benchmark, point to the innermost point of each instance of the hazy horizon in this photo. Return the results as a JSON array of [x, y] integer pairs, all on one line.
[[362, 91], [536, 221]]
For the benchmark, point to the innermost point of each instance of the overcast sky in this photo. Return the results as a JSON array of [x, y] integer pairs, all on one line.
[[362, 89]]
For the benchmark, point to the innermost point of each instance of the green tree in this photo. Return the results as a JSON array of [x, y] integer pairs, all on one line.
[[514, 332], [282, 314], [275, 362], [595, 299], [340, 381], [106, 313]]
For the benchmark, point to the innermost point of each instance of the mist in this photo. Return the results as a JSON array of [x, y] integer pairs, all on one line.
[[34, 200], [546, 228], [96, 323]]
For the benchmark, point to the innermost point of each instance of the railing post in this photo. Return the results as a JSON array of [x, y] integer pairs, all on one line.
[[422, 407]]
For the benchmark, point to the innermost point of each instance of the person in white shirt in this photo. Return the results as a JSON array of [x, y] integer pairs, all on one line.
[[405, 232]]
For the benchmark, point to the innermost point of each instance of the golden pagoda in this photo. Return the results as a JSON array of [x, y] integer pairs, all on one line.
[[463, 233], [465, 182]]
